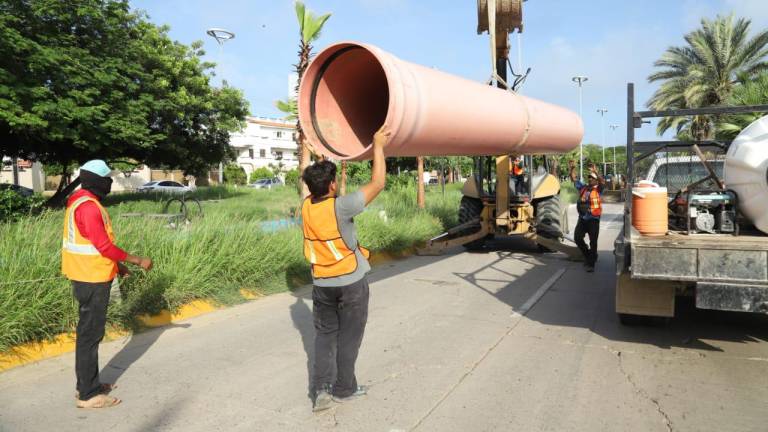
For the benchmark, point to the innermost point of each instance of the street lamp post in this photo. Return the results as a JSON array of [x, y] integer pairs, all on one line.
[[580, 80], [221, 36], [602, 112], [613, 138]]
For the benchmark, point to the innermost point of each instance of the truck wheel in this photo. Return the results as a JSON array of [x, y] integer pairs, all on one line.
[[471, 208]]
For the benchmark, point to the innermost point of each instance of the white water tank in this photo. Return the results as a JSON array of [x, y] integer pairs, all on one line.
[[746, 172]]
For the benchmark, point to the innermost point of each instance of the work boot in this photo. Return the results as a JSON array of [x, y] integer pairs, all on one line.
[[361, 391], [323, 401], [590, 268]]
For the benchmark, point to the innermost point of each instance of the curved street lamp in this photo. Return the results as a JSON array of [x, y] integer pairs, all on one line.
[[221, 36]]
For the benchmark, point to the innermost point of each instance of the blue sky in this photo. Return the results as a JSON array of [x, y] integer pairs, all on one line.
[[610, 41]]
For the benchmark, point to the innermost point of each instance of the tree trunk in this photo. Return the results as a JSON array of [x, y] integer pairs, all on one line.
[[420, 182], [59, 198], [304, 161], [343, 188]]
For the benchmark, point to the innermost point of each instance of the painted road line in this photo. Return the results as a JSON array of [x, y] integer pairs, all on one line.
[[538, 294]]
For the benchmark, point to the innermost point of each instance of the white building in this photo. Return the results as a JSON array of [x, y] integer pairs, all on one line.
[[265, 142]]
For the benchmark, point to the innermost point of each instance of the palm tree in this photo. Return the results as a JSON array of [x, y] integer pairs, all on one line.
[[310, 26], [752, 92], [289, 107], [716, 58]]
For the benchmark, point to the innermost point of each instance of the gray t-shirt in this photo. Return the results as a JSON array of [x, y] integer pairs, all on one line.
[[347, 207]]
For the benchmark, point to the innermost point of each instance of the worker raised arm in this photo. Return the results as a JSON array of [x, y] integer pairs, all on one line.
[[600, 178], [379, 171], [572, 171]]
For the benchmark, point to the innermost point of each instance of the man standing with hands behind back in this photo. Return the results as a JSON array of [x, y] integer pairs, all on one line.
[[339, 268], [91, 260]]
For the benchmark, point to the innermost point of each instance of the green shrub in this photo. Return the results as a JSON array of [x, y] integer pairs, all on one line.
[[292, 178], [261, 173], [358, 173], [13, 205], [234, 174], [401, 180]]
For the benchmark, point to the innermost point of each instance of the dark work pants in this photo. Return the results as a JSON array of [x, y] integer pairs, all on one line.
[[587, 227], [340, 315], [93, 299]]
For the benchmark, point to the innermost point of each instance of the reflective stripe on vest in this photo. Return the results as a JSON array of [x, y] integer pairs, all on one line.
[[324, 246], [594, 200]]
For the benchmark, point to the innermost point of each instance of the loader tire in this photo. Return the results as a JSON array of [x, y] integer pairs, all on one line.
[[548, 213], [471, 208]]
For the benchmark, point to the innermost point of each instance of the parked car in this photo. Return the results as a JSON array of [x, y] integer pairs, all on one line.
[[677, 172], [164, 186], [267, 183], [21, 190]]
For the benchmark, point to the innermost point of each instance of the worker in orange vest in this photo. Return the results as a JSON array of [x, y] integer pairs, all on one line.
[[339, 267], [518, 173], [91, 260], [589, 206]]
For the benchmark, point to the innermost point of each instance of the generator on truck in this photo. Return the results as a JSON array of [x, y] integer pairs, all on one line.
[[711, 250]]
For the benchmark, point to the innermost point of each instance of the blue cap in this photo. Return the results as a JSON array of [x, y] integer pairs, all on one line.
[[98, 167]]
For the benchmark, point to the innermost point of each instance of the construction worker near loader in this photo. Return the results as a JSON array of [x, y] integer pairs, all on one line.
[[518, 174], [589, 206], [91, 260], [339, 267]]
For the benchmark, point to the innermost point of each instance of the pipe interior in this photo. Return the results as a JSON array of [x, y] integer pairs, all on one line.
[[350, 101]]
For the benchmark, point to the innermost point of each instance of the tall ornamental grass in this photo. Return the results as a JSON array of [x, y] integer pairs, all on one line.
[[213, 258]]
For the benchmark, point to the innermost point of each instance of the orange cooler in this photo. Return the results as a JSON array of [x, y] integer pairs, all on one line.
[[649, 208]]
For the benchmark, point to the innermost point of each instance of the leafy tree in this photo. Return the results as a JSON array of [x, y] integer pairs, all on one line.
[[234, 174], [292, 177], [95, 79], [261, 173], [705, 71]]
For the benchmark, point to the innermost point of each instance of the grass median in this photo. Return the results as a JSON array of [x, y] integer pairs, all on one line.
[[213, 258]]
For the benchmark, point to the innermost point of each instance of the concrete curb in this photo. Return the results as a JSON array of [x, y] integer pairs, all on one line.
[[63, 343]]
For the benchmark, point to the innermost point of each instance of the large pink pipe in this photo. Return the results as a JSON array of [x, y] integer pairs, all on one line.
[[351, 89]]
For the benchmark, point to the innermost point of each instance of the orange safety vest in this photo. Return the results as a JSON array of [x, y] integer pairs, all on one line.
[[324, 247], [80, 260], [517, 169], [594, 201]]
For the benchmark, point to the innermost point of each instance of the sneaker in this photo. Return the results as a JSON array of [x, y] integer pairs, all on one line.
[[590, 269], [323, 401], [361, 391]]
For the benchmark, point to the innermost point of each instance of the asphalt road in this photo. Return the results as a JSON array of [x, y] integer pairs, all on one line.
[[504, 340]]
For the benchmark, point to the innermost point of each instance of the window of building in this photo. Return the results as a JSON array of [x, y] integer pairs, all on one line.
[[296, 155], [278, 155], [279, 134], [250, 153], [262, 153]]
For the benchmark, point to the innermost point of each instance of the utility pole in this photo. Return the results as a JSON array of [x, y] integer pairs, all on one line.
[[602, 112], [221, 36], [613, 138], [580, 80]]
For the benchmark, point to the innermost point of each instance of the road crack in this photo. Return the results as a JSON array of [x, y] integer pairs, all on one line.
[[644, 394]]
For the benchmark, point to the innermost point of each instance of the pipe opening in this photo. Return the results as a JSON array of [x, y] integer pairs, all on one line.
[[349, 101]]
